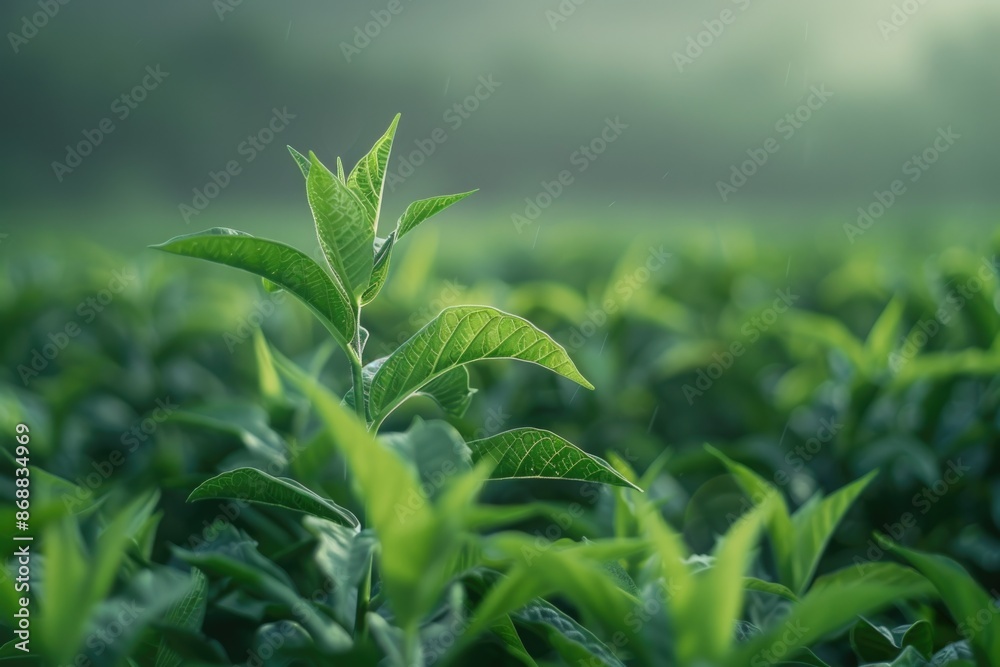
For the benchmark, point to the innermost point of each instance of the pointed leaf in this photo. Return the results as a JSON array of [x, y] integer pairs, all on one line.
[[415, 546], [300, 160], [367, 177], [340, 170], [422, 209], [530, 452], [283, 265], [187, 613], [344, 232], [256, 486], [343, 556], [965, 599], [380, 271], [459, 335], [779, 524], [814, 525], [575, 643]]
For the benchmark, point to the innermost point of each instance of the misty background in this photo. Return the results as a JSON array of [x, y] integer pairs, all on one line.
[[696, 92]]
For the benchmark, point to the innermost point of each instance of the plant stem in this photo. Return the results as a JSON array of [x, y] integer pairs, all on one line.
[[365, 589], [361, 609]]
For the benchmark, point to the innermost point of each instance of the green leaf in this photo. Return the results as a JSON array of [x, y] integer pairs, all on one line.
[[283, 265], [873, 642], [256, 486], [434, 449], [343, 556], [814, 525], [779, 524], [706, 629], [451, 391], [831, 603], [423, 209], [416, 544], [344, 232], [761, 586], [957, 654], [380, 271], [575, 643], [459, 335], [367, 177], [340, 170], [187, 613], [966, 601], [530, 452], [244, 565], [300, 160], [86, 579], [882, 339], [504, 629]]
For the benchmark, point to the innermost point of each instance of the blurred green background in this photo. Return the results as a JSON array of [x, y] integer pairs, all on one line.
[[561, 69]]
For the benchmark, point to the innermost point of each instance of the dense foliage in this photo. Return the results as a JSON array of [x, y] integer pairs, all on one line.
[[220, 476]]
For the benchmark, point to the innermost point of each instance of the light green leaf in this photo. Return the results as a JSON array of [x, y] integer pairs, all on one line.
[[343, 229], [814, 525], [380, 270], [300, 160], [459, 335], [966, 601], [507, 633], [706, 630], [828, 607], [340, 170], [283, 265], [530, 452], [423, 209], [882, 337], [188, 613], [416, 544], [779, 524], [367, 177], [761, 586], [256, 486]]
